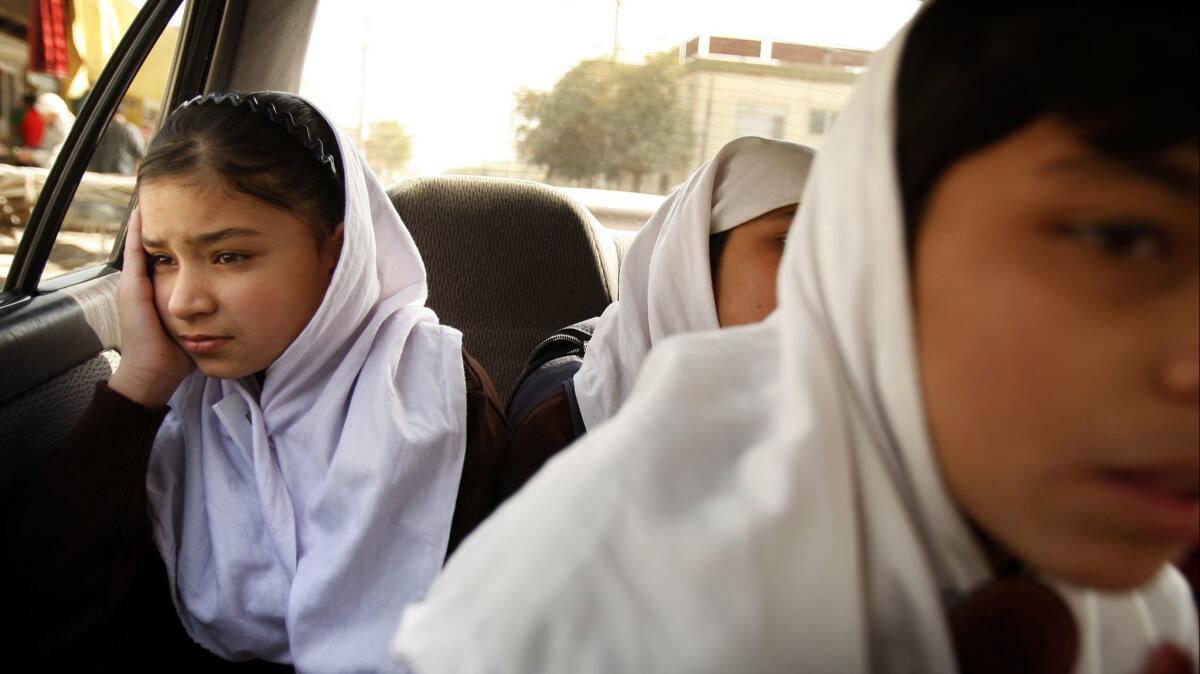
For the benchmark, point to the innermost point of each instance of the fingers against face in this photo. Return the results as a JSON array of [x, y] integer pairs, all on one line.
[[135, 255]]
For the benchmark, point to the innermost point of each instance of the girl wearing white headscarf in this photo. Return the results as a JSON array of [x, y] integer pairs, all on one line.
[[799, 495], [334, 439], [706, 259], [58, 120]]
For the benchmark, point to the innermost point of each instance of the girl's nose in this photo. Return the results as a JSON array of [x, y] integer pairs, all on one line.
[[190, 296], [1179, 370], [1180, 374]]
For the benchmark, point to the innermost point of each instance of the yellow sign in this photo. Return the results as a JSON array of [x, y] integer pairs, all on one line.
[[97, 27]]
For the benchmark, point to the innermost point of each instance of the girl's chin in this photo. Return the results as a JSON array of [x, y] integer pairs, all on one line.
[[1117, 565], [1119, 570], [219, 370]]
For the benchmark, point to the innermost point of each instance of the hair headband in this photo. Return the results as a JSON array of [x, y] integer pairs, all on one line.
[[284, 119]]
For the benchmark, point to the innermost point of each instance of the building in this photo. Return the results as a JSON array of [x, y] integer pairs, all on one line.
[[741, 87]]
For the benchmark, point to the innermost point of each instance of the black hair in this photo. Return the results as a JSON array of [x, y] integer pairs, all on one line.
[[271, 146], [974, 72], [716, 248]]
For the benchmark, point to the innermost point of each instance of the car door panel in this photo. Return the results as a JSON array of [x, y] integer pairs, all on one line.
[[58, 338]]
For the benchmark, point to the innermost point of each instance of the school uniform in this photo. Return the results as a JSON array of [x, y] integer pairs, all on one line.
[[768, 500], [543, 432], [88, 590], [666, 288]]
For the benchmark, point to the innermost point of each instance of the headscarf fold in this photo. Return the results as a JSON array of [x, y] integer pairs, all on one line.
[[666, 282], [297, 521]]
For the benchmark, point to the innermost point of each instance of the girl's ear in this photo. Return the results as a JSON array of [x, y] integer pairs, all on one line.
[[333, 247]]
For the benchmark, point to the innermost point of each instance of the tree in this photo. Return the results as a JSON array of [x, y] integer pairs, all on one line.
[[388, 147], [565, 129], [609, 119]]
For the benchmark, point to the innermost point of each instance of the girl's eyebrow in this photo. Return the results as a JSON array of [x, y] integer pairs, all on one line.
[[1162, 173], [222, 234], [209, 238]]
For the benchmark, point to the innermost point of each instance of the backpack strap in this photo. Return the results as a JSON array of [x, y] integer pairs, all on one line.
[[553, 362], [577, 424]]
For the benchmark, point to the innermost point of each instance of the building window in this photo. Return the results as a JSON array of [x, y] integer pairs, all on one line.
[[820, 121], [731, 46], [759, 120]]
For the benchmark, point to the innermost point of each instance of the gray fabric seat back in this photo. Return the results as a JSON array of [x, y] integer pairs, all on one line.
[[509, 262]]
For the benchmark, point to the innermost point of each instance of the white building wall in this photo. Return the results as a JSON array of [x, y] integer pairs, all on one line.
[[718, 99]]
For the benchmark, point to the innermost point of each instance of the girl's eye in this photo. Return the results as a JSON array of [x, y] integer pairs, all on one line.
[[159, 261], [230, 258], [1131, 240]]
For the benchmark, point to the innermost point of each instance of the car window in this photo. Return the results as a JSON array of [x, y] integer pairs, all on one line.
[[624, 95], [65, 55]]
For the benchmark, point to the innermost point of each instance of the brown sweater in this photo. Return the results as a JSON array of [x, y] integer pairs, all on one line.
[[544, 432], [87, 589]]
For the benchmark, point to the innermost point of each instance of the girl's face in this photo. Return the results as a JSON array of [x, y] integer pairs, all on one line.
[[235, 280], [1056, 314], [744, 280]]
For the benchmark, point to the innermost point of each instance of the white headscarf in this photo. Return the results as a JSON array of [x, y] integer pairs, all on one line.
[[666, 284], [296, 523], [56, 130], [53, 104], [768, 500]]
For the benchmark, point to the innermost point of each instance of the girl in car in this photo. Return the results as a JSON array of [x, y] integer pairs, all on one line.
[[968, 439], [706, 259], [308, 441]]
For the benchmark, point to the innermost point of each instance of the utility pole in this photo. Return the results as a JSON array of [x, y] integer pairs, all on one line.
[[616, 48], [362, 89]]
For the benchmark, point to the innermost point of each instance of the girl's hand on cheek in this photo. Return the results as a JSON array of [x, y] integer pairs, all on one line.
[[152, 364]]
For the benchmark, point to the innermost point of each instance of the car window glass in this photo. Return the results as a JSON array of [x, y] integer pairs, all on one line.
[[624, 95], [66, 52]]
